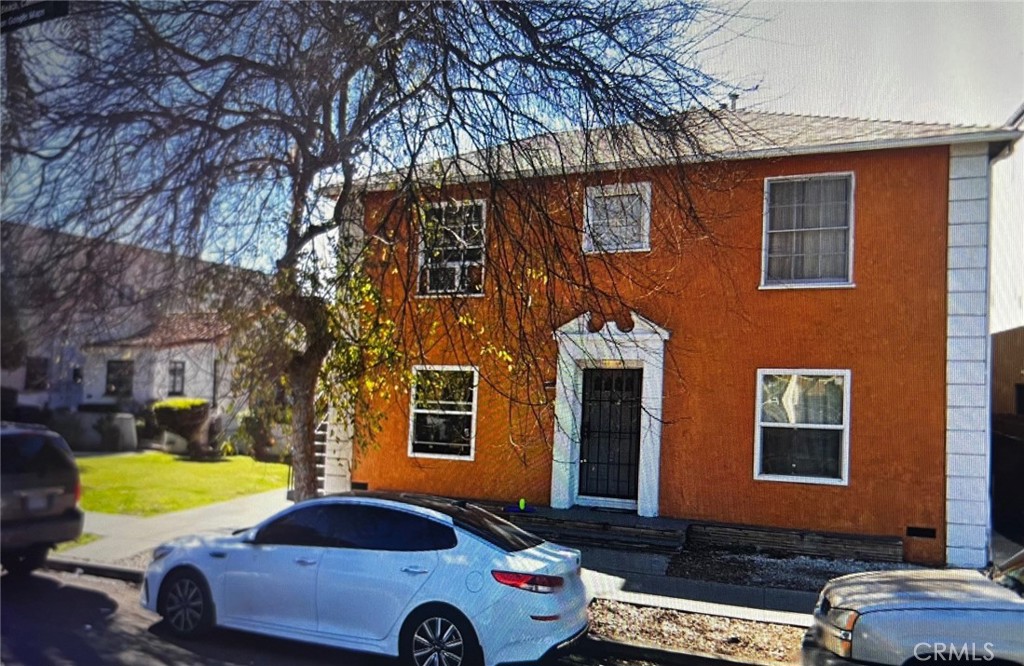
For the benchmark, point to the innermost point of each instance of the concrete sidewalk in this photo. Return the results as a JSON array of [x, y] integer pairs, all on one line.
[[636, 578]]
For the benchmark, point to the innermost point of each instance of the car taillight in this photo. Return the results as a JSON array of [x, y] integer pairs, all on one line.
[[529, 582]]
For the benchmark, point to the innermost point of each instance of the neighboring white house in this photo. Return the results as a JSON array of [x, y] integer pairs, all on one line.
[[184, 354], [106, 323]]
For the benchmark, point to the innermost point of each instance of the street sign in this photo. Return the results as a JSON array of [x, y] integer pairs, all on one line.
[[20, 13]]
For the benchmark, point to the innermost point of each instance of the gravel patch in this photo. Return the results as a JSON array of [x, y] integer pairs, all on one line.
[[798, 572], [693, 632], [136, 561]]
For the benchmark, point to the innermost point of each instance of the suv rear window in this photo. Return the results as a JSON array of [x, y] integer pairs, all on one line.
[[32, 453], [484, 524]]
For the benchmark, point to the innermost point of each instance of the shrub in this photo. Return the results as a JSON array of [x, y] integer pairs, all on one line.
[[187, 418]]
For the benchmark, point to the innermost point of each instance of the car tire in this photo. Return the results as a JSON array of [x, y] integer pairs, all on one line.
[[185, 604], [21, 563], [438, 634]]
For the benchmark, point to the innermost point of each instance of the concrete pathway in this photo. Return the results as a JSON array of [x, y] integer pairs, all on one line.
[[127, 536]]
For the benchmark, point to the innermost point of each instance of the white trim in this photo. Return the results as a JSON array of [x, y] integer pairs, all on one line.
[[848, 283], [420, 251], [643, 189], [844, 479], [580, 348], [412, 412], [968, 396]]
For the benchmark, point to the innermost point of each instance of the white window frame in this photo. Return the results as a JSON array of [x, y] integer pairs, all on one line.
[[846, 374], [809, 284], [618, 189], [413, 411], [422, 250]]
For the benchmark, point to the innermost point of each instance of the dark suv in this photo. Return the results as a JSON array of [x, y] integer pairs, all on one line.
[[40, 491]]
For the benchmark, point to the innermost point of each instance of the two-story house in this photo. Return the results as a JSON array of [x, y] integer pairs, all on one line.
[[814, 356]]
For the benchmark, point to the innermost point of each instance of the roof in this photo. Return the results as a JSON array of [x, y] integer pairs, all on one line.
[[710, 135], [175, 330]]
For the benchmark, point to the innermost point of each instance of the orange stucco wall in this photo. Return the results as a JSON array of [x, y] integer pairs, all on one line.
[[889, 330]]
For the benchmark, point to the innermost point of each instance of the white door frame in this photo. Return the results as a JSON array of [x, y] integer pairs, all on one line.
[[580, 348]]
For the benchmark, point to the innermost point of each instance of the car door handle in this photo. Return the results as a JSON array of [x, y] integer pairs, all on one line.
[[414, 570], [303, 562]]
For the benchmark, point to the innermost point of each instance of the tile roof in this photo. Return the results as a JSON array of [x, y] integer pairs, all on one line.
[[175, 330]]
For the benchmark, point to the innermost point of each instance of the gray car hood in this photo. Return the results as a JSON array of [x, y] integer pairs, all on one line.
[[955, 589]]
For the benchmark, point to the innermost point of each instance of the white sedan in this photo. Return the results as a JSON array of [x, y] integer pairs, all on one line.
[[436, 582], [902, 617]]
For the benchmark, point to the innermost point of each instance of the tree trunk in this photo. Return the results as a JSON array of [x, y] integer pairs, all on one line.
[[303, 375]]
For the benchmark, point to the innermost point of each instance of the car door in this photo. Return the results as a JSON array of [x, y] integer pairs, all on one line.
[[272, 582], [384, 557]]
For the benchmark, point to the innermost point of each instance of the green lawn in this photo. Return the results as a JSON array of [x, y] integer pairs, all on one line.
[[152, 483], [86, 537]]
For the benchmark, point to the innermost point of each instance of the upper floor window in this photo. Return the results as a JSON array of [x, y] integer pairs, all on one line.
[[120, 377], [803, 429], [618, 218], [808, 230], [177, 378], [37, 373], [443, 412], [452, 248]]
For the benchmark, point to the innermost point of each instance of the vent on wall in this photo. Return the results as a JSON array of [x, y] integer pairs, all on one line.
[[923, 532]]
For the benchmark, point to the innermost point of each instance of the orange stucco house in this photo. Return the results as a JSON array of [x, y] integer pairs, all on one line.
[[823, 364]]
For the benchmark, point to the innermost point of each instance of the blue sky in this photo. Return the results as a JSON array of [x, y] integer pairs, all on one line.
[[948, 62]]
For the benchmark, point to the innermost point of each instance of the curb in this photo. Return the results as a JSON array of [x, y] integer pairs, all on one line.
[[94, 569], [593, 646]]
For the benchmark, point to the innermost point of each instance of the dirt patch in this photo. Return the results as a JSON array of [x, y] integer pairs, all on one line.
[[798, 572]]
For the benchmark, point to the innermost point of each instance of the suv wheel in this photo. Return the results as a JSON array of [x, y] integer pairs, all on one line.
[[23, 562]]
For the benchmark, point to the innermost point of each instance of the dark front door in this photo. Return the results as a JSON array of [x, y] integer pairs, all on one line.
[[610, 436]]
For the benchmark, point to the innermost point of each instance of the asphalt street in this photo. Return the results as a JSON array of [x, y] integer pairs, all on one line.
[[57, 619]]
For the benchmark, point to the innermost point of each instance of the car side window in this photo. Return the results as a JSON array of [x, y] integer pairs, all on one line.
[[303, 527], [380, 528]]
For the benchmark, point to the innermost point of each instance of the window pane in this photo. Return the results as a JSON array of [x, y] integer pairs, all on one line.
[[37, 372], [120, 375], [802, 452], [615, 221], [808, 222], [802, 399], [452, 249]]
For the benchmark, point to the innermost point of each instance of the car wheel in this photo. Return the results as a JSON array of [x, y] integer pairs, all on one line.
[[23, 562], [185, 604], [439, 636]]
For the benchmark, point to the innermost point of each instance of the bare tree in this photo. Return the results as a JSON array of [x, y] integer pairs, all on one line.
[[247, 132]]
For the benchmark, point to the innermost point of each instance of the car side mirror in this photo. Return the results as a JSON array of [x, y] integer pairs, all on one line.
[[250, 536]]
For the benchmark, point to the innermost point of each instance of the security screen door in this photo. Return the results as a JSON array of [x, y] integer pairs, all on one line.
[[610, 434]]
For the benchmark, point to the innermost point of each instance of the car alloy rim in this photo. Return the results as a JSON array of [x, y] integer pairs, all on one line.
[[185, 605], [437, 642]]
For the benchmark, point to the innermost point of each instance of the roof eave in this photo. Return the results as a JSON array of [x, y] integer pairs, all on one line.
[[1001, 137]]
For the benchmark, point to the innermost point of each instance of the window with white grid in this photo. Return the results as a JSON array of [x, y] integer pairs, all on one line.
[[618, 218], [452, 248], [443, 421]]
